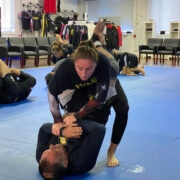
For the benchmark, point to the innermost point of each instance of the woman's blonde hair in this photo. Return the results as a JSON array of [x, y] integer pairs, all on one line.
[[85, 50], [56, 46]]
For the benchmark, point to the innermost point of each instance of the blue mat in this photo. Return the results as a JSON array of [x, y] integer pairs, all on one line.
[[150, 146]]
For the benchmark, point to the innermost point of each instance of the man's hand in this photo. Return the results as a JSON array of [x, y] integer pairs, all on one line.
[[69, 119], [72, 131], [56, 128]]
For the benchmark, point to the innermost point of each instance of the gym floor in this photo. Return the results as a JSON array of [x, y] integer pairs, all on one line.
[[150, 146]]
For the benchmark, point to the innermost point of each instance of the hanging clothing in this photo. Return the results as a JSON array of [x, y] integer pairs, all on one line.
[[77, 33], [31, 20], [58, 6], [25, 16], [119, 31], [90, 28], [111, 37], [50, 6], [36, 17], [47, 24]]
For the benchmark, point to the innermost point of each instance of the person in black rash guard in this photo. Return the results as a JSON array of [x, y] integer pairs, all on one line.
[[60, 51], [62, 87], [15, 85], [85, 70], [78, 156]]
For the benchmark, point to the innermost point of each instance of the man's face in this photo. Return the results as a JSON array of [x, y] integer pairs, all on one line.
[[55, 153], [85, 68]]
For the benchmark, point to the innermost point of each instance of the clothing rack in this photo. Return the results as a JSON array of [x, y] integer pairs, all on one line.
[[105, 21], [30, 5], [79, 22], [66, 13]]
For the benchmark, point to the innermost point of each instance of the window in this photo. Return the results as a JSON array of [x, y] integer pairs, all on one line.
[[164, 12], [7, 16]]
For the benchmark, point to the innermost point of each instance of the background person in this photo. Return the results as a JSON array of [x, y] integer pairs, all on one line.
[[15, 85], [60, 50]]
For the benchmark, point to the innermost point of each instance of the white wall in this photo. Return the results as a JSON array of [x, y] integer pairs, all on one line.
[[81, 8], [132, 41], [120, 11], [69, 5]]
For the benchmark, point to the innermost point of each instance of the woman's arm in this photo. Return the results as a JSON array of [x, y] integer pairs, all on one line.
[[54, 108]]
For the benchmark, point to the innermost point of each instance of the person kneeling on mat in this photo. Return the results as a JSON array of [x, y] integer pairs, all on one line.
[[15, 85], [128, 64]]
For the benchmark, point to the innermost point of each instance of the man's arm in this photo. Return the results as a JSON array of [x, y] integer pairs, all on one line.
[[54, 108], [49, 131], [44, 135], [83, 158]]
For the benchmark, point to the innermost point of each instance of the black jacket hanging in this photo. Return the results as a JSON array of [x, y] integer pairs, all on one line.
[[58, 6]]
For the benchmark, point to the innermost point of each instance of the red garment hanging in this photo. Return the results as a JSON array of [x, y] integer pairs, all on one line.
[[50, 6], [119, 35], [109, 25]]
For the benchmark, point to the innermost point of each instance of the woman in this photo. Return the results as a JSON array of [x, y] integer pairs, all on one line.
[[85, 70], [60, 51], [90, 78]]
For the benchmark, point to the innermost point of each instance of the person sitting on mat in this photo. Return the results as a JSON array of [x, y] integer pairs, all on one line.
[[74, 156], [15, 85]]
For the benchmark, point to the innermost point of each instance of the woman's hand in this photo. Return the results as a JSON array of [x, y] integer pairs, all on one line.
[[69, 119], [72, 131], [56, 128]]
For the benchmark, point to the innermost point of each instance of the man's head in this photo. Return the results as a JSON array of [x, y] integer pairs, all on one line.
[[53, 163]]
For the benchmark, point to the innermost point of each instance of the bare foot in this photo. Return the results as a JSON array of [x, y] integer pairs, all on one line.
[[128, 72], [112, 161], [138, 69], [16, 72], [98, 30], [59, 38]]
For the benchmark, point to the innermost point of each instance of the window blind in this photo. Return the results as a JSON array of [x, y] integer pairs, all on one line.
[[7, 15]]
